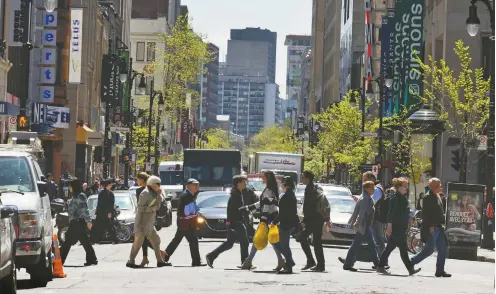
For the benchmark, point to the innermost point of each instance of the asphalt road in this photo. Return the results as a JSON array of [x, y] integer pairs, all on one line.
[[112, 276]]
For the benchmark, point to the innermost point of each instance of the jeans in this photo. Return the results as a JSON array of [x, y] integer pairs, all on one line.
[[233, 234], [314, 229], [401, 243], [357, 245], [378, 229], [283, 246], [437, 240], [77, 231], [253, 250], [190, 235]]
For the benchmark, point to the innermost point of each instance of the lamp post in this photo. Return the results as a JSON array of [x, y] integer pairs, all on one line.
[[153, 93], [161, 105], [473, 24], [130, 76]]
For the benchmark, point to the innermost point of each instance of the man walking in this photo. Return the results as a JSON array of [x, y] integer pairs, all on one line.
[[52, 188], [313, 221], [236, 223], [104, 213], [187, 214], [433, 220]]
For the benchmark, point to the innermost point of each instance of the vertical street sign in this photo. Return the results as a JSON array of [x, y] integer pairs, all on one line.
[[75, 45], [397, 56], [107, 84], [125, 86], [386, 32]]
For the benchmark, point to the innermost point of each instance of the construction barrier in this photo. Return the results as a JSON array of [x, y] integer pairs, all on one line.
[[58, 269]]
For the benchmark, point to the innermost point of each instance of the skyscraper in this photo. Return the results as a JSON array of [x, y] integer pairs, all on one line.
[[297, 44]]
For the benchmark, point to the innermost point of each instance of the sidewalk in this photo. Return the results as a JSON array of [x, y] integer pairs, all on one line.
[[485, 255]]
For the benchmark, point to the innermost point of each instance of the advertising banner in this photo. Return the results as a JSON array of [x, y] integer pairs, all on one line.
[[386, 35], [19, 22], [75, 45], [464, 214], [369, 40], [125, 86], [53, 116], [108, 88]]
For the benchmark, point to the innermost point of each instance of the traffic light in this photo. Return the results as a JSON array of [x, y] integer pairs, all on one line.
[[126, 158], [456, 160], [22, 123]]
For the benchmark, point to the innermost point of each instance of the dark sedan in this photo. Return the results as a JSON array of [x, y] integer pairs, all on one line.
[[213, 214]]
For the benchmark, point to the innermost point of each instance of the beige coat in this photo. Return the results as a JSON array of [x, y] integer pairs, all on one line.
[[145, 216]]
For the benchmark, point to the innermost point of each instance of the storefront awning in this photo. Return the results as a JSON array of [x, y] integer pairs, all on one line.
[[85, 133]]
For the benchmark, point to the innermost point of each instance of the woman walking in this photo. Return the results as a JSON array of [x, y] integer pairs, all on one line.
[[397, 226], [268, 212], [287, 220], [148, 204], [79, 224]]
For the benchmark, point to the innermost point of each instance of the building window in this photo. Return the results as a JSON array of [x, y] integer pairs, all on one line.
[[150, 51], [140, 51]]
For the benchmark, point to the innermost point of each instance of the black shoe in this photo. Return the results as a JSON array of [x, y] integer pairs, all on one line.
[[210, 260], [318, 268], [91, 263], [349, 268], [308, 266], [286, 271], [162, 264], [132, 265], [166, 258], [443, 274], [375, 267], [413, 271], [342, 260], [383, 270], [198, 264]]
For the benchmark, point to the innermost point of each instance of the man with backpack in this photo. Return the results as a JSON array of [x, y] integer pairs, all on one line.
[[316, 211]]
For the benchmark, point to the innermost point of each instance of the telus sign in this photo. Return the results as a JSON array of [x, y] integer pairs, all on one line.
[[75, 45]]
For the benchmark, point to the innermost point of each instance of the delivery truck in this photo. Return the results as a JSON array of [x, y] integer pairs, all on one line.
[[284, 164]]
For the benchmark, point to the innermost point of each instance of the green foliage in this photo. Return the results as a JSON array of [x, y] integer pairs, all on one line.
[[340, 138], [275, 139], [140, 143], [461, 98], [219, 139], [179, 64], [176, 157]]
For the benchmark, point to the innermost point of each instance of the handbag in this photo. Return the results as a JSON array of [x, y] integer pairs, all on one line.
[[273, 234], [260, 240]]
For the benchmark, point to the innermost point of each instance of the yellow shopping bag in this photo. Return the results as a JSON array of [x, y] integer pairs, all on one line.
[[260, 239], [273, 234]]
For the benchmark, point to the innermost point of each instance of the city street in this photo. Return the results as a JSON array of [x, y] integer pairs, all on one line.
[[111, 275]]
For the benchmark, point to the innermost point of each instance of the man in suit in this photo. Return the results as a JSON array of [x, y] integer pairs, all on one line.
[[104, 213]]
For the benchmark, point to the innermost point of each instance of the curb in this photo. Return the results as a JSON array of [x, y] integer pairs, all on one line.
[[485, 259]]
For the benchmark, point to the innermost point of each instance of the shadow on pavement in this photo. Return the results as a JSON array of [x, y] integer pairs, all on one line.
[[73, 266], [25, 285]]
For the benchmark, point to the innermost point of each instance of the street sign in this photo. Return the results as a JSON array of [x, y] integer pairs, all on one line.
[[148, 166], [375, 170], [12, 120], [372, 135], [119, 129], [152, 160], [482, 143]]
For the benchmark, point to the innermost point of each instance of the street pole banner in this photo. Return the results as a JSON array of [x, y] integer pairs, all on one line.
[[464, 214], [397, 55], [369, 40], [76, 46], [125, 86], [108, 85], [386, 35]]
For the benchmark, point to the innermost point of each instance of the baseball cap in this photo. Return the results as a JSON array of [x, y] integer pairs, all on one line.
[[153, 180], [192, 181]]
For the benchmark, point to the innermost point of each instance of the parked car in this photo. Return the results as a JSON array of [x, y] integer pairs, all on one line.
[[8, 274], [213, 214], [22, 184]]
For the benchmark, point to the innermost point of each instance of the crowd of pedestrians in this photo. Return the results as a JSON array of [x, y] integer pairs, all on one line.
[[380, 219]]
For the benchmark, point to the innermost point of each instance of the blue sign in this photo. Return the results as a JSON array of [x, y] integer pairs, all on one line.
[[9, 109], [48, 75], [56, 117], [50, 19], [48, 56], [46, 94], [49, 38]]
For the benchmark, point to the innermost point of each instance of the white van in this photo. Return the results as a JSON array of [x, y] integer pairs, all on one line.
[[22, 185]]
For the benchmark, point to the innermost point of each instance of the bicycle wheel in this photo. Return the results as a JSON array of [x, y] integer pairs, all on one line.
[[123, 233]]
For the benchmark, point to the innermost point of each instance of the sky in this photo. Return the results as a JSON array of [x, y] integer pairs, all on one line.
[[215, 19]]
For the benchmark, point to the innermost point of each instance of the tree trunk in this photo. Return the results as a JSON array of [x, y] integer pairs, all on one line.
[[462, 177]]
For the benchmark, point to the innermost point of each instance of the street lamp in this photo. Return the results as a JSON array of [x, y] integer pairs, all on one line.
[[50, 5], [161, 106], [153, 93], [473, 23], [141, 86]]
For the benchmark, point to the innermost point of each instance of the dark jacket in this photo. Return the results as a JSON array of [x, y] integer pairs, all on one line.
[[185, 222], [310, 203], [433, 211], [52, 190], [399, 214], [235, 202], [138, 192], [106, 202], [287, 217]]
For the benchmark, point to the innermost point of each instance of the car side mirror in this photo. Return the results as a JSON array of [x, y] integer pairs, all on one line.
[[43, 178], [7, 212], [42, 188]]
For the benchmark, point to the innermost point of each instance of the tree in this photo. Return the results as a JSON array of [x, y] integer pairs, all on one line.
[[462, 99], [218, 139], [176, 157], [340, 138], [275, 139], [179, 64], [140, 143]]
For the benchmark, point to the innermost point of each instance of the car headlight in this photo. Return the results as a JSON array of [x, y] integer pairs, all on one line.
[[28, 226], [200, 220]]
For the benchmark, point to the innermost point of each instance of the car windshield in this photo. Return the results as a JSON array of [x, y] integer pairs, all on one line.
[[171, 177], [124, 202], [214, 201], [300, 190], [15, 175], [256, 185], [210, 175], [341, 205]]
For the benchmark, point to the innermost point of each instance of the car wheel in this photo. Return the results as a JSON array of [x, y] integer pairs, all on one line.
[[41, 273], [8, 285]]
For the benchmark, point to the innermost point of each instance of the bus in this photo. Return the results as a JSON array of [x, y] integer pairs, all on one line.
[[214, 169], [171, 179]]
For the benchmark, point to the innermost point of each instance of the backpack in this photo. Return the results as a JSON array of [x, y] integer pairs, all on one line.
[[161, 214], [382, 207], [323, 206]]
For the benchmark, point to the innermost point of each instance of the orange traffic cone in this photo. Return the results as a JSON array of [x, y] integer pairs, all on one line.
[[58, 269]]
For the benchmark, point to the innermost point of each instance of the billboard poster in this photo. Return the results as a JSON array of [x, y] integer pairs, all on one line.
[[464, 214]]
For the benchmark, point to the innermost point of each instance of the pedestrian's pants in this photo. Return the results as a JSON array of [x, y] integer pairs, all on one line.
[[139, 238], [253, 250], [357, 245], [378, 230], [283, 245], [77, 231], [401, 243], [314, 229], [239, 233], [101, 224], [190, 235], [436, 240]]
